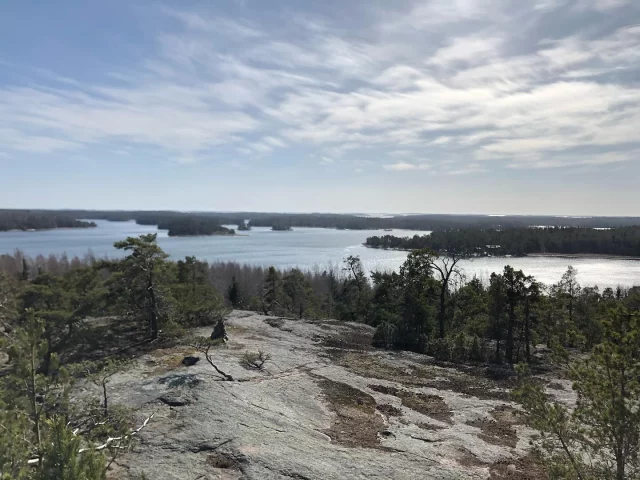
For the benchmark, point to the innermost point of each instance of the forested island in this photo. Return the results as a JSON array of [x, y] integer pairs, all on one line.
[[27, 220], [281, 227], [623, 241], [192, 226]]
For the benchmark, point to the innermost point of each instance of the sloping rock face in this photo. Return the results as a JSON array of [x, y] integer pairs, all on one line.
[[326, 406]]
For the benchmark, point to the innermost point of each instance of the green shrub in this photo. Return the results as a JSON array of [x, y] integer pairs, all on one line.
[[440, 349], [385, 335]]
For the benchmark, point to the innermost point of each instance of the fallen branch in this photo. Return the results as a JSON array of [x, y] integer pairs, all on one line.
[[209, 359], [113, 439], [204, 347]]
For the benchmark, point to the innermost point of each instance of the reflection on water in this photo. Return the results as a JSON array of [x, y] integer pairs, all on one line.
[[304, 248]]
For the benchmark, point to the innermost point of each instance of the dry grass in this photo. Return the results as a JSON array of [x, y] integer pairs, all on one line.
[[468, 459], [529, 467], [278, 323], [431, 405], [374, 366], [499, 429], [165, 360], [349, 337], [429, 427], [555, 386], [356, 423], [389, 410]]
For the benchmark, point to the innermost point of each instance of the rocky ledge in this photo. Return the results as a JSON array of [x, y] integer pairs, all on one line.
[[325, 406]]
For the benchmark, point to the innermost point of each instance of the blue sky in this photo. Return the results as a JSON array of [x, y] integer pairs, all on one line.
[[441, 106]]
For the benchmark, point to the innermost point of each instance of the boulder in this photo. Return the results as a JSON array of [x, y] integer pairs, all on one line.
[[190, 361]]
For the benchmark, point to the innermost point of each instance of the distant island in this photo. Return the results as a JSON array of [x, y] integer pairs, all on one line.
[[624, 241], [281, 227], [193, 226], [27, 220]]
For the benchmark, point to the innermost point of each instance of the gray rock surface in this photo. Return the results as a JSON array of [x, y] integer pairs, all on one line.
[[325, 407]]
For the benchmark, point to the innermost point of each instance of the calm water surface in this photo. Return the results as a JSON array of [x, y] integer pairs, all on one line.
[[303, 248]]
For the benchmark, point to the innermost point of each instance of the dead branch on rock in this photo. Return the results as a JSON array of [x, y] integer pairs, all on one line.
[[204, 347]]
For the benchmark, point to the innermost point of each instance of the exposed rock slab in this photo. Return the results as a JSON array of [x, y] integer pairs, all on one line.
[[325, 407]]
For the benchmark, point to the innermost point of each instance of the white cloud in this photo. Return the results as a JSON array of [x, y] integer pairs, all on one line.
[[471, 49]]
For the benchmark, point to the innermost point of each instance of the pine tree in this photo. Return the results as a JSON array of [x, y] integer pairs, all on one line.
[[62, 458], [234, 293], [144, 272], [600, 438], [272, 292]]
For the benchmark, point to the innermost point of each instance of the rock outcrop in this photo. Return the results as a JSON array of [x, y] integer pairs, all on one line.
[[326, 406]]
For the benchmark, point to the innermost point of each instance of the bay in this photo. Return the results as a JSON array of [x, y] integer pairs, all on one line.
[[305, 248]]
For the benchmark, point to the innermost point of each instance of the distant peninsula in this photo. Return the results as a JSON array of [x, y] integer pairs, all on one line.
[[27, 220], [624, 241]]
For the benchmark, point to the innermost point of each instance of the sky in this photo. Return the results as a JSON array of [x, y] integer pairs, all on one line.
[[404, 106]]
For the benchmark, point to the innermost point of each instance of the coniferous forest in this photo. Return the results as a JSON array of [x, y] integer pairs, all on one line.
[[34, 220]]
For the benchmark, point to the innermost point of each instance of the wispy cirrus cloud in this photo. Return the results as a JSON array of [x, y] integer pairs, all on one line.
[[494, 83]]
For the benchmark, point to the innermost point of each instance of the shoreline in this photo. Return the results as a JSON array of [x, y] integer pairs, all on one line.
[[206, 235], [35, 230], [595, 256], [603, 256]]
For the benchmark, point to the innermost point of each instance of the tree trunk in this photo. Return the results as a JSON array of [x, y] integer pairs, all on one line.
[[153, 307], [527, 333], [443, 298], [34, 405], [620, 467], [512, 316], [443, 292], [104, 394]]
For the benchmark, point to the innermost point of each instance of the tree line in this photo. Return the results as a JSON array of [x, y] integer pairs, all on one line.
[[521, 241], [34, 220], [428, 307], [347, 221], [418, 308]]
